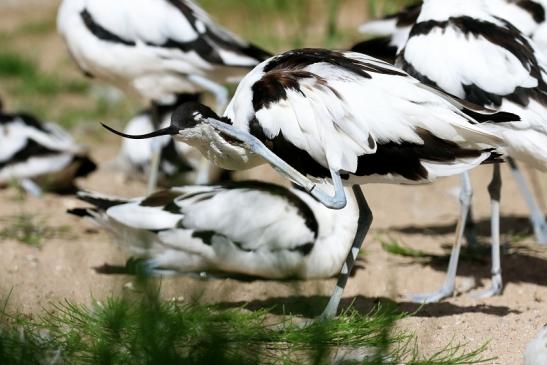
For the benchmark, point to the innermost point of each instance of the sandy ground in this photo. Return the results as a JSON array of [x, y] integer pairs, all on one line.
[[420, 217]]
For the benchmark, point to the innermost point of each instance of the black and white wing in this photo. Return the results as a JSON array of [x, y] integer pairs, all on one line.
[[321, 110], [489, 62], [169, 25], [247, 228], [393, 31], [539, 35], [152, 44], [33, 150], [393, 23]]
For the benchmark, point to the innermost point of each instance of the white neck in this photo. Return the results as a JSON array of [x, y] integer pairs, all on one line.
[[216, 149], [336, 233]]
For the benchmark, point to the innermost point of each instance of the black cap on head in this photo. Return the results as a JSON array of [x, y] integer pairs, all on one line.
[[190, 114], [186, 116]]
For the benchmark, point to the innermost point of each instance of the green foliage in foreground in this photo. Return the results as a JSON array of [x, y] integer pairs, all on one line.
[[145, 331]]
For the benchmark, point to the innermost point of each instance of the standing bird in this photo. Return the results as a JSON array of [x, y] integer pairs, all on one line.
[[392, 32], [39, 155], [250, 228], [529, 16], [506, 72], [155, 49], [343, 116]]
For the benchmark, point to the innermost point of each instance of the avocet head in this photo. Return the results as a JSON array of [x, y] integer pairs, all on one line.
[[197, 125]]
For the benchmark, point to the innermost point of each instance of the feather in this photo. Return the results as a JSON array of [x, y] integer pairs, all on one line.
[[248, 228]]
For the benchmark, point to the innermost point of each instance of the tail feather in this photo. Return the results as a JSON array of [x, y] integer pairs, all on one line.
[[487, 116], [86, 166], [100, 201], [381, 48], [83, 212]]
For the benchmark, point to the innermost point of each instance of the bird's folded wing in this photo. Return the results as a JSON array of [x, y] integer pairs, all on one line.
[[481, 63], [171, 24], [251, 219], [337, 113]]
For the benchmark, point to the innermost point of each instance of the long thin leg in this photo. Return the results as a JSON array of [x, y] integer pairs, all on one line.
[[448, 286], [536, 216], [31, 187], [338, 201], [494, 189], [156, 154], [204, 172], [363, 225], [470, 231], [219, 91]]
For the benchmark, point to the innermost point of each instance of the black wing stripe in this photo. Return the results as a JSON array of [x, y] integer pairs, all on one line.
[[101, 32], [30, 150]]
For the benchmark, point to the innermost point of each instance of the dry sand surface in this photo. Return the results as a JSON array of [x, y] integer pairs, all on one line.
[[420, 217]]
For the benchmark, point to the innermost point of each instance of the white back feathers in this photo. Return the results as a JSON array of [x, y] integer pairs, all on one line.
[[151, 46], [471, 53], [249, 228], [41, 152], [319, 110]]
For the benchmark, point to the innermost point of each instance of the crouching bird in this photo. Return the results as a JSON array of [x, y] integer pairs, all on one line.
[[40, 156], [249, 228], [317, 114]]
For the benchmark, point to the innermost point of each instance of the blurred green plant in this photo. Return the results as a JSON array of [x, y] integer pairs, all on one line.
[[30, 230], [379, 8], [391, 245], [149, 331], [475, 254], [33, 82]]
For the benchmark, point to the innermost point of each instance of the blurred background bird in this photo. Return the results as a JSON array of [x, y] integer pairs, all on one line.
[[156, 49], [179, 163], [506, 72], [39, 156]]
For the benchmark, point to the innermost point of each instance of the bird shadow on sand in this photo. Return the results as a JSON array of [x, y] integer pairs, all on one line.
[[509, 225], [311, 306], [520, 263]]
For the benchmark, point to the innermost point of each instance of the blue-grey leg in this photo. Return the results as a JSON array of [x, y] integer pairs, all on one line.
[[204, 172], [156, 154], [31, 187], [536, 216], [219, 91], [448, 286], [470, 232], [494, 189], [363, 226], [154, 166]]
